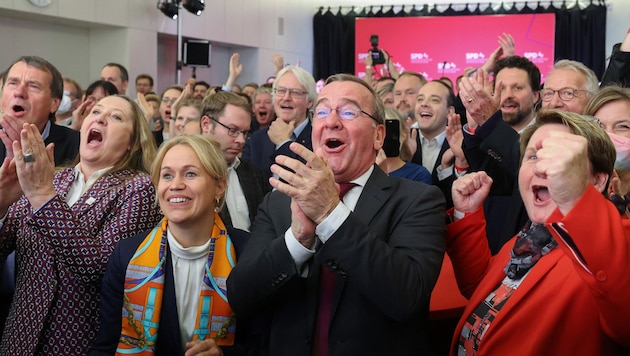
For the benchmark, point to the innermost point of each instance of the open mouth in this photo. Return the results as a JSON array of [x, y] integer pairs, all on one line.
[[95, 135], [541, 193], [18, 108], [426, 115], [333, 143]]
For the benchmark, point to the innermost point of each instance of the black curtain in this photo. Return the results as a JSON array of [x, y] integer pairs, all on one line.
[[580, 33]]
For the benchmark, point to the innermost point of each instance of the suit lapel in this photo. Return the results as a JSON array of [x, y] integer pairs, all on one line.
[[375, 194]]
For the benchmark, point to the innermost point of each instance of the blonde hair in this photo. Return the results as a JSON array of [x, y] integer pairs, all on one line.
[[207, 150]]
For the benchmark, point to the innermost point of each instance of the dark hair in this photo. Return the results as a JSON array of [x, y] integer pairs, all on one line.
[[520, 63], [108, 88], [201, 82], [145, 76], [124, 75], [450, 99], [56, 84]]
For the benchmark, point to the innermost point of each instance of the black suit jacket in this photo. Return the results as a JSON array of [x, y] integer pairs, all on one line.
[[444, 184], [254, 184], [261, 152], [169, 337], [66, 143], [386, 257], [494, 148]]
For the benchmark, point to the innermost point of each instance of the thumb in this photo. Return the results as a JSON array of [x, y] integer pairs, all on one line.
[[50, 150]]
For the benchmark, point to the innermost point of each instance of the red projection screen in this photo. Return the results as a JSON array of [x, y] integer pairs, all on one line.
[[446, 45]]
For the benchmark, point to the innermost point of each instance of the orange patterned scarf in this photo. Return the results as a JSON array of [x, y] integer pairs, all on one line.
[[144, 288]]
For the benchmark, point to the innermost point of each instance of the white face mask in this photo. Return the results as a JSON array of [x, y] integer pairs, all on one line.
[[66, 103], [622, 146]]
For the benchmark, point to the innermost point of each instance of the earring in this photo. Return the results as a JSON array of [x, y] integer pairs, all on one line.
[[216, 207]]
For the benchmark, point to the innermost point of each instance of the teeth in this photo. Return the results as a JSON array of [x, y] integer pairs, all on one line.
[[178, 200]]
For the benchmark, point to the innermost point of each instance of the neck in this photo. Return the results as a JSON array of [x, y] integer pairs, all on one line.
[[624, 177], [523, 124], [193, 234], [391, 164]]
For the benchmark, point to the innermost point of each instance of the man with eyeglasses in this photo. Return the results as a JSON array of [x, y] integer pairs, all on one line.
[[293, 96], [568, 87], [343, 258], [226, 118]]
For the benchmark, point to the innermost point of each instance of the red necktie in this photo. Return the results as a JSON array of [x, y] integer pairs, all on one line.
[[326, 288]]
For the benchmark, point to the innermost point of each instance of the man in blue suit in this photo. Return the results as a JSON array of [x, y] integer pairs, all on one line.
[[293, 96]]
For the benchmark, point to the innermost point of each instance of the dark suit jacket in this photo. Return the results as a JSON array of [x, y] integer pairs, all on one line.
[[66, 144], [386, 257], [494, 148], [261, 152], [254, 184], [445, 184], [169, 337]]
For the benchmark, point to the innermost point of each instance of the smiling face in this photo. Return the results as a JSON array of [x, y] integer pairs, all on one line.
[[186, 192], [614, 117], [26, 95], [291, 107], [517, 97], [350, 146], [406, 90], [566, 78], [432, 109], [106, 133], [263, 109], [533, 188]]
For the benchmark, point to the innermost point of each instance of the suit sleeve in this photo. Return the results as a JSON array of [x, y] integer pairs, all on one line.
[[266, 265], [597, 240], [494, 148], [132, 210], [618, 70]]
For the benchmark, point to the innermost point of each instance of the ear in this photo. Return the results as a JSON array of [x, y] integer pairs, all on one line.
[[205, 125], [221, 187], [379, 137], [451, 110], [600, 180], [54, 105]]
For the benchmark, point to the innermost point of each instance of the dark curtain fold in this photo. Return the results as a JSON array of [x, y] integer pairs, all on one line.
[[580, 33]]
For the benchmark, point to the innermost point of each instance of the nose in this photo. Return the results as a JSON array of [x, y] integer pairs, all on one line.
[[333, 121], [240, 138], [176, 182]]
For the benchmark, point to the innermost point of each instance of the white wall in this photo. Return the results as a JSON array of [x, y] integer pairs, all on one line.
[[79, 36]]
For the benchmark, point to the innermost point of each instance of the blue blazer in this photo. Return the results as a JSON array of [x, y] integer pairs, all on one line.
[[169, 337], [261, 152]]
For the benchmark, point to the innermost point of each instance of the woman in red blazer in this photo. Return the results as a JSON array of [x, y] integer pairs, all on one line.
[[561, 286]]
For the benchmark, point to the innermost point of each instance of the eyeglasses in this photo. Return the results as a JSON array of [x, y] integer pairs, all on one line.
[[565, 94], [346, 112], [169, 100], [293, 93], [232, 131]]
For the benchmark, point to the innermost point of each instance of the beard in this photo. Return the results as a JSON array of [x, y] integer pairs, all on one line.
[[516, 118]]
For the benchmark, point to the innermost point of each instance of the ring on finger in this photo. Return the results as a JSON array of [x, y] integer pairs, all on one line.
[[29, 157], [470, 100]]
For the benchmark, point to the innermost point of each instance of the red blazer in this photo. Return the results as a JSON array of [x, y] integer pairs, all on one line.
[[574, 301]]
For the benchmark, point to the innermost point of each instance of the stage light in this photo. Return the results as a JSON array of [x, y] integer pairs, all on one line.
[[168, 8], [195, 6]]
